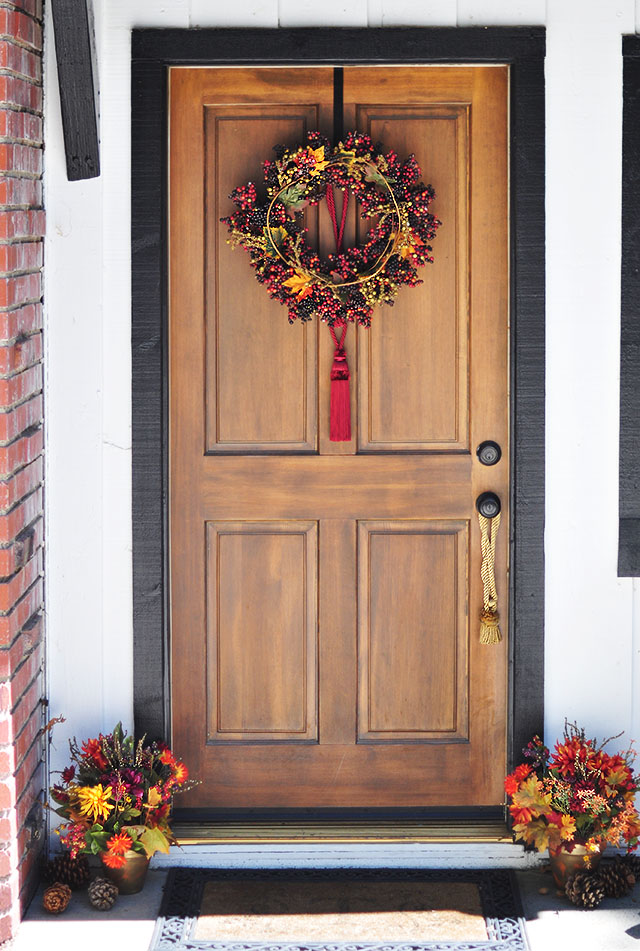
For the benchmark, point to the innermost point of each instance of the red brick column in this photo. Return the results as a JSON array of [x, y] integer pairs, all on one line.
[[22, 777]]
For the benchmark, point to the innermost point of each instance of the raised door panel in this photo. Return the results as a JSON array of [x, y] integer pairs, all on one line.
[[262, 632], [413, 631], [413, 361], [261, 374]]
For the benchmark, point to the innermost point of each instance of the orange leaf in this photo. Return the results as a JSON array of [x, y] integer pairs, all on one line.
[[318, 155], [298, 284]]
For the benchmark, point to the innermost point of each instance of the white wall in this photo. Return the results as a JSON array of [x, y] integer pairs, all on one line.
[[592, 617]]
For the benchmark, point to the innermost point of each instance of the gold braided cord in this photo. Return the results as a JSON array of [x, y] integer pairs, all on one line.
[[390, 249], [489, 618]]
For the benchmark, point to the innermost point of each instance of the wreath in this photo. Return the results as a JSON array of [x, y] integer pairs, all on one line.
[[347, 285]]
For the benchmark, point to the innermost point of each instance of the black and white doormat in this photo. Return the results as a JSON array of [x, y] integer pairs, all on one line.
[[340, 910]]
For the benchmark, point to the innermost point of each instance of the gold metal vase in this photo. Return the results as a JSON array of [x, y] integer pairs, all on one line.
[[564, 864], [131, 876]]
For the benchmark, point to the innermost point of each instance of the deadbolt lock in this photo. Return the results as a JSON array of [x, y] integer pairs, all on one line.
[[489, 452]]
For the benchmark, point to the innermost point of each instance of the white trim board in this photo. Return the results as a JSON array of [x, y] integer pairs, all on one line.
[[332, 855]]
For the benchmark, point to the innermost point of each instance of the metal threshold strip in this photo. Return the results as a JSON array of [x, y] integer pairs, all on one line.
[[424, 830]]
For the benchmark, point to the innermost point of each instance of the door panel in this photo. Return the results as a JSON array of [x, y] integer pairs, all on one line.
[[413, 366], [271, 404], [325, 596], [262, 606], [412, 631]]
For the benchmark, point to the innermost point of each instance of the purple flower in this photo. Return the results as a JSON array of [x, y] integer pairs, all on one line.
[[133, 781]]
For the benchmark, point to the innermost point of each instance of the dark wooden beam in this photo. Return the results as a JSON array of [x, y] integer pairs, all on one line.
[[629, 505], [74, 56]]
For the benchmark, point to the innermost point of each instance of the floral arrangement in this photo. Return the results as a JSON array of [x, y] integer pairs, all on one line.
[[348, 284], [117, 796], [579, 795]]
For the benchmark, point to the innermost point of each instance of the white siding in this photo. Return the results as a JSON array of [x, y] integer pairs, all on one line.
[[516, 13], [592, 618], [311, 13], [588, 608]]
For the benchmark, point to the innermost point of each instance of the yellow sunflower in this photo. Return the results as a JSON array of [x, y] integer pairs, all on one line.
[[93, 801]]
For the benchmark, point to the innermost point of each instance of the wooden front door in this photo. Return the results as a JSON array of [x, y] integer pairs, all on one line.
[[325, 596]]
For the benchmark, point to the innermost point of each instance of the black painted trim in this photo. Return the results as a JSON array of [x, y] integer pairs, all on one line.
[[153, 52], [629, 505], [149, 396], [74, 56], [338, 46]]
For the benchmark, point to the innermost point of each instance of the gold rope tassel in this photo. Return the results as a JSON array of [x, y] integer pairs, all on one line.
[[489, 618]]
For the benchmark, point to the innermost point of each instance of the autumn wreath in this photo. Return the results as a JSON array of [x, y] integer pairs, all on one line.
[[346, 285]]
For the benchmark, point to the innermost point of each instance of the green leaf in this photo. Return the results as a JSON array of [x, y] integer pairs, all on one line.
[[373, 175], [153, 841], [269, 249], [279, 235], [134, 831], [97, 841], [342, 293], [293, 196]]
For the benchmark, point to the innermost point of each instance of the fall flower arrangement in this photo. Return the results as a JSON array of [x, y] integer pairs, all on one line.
[[578, 795], [117, 796]]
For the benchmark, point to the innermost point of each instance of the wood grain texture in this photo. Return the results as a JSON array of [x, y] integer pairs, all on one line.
[[413, 388], [261, 373], [253, 582], [262, 626], [350, 487], [338, 618], [74, 58], [413, 630]]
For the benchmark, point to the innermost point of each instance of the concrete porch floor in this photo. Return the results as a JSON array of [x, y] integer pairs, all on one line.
[[552, 924]]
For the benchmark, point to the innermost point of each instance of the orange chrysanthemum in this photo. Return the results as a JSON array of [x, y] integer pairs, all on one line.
[[167, 757], [111, 860], [511, 784], [93, 748], [180, 773], [119, 844]]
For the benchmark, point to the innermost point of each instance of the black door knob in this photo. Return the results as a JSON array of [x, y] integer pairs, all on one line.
[[489, 452], [488, 504]]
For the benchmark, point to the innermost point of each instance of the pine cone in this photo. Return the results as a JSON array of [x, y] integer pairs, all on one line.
[[72, 872], [103, 894], [585, 889], [631, 861], [56, 898], [617, 878]]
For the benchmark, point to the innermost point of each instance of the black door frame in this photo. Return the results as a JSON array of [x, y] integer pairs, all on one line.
[[153, 52]]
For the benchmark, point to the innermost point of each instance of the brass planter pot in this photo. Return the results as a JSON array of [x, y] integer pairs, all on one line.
[[131, 877], [565, 864]]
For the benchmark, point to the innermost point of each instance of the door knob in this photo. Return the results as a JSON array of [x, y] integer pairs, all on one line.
[[489, 452], [488, 504]]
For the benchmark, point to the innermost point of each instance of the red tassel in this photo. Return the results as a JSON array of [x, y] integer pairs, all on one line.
[[340, 421]]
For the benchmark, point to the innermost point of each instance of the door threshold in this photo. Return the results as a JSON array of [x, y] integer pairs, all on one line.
[[424, 830]]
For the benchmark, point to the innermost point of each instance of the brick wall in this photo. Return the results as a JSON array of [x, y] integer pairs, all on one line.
[[21, 463]]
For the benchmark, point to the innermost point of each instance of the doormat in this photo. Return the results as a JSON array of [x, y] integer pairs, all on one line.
[[340, 910]]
